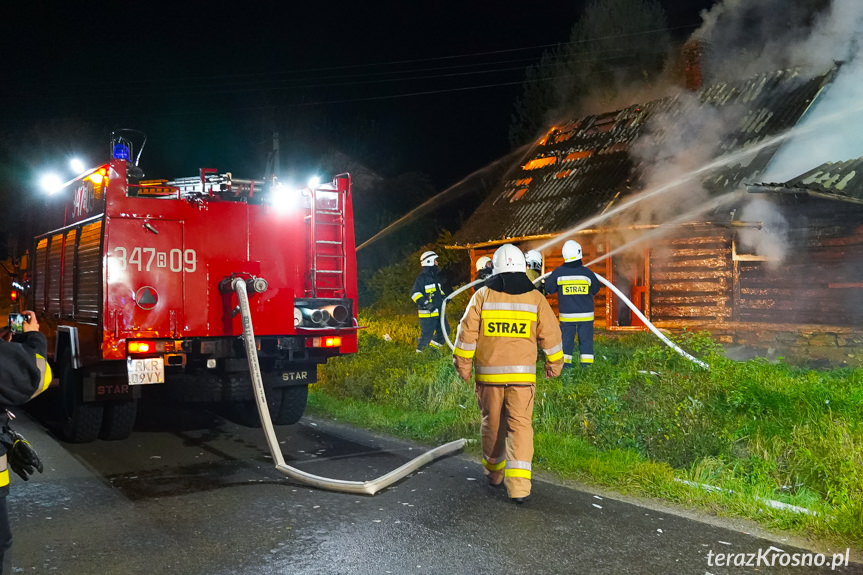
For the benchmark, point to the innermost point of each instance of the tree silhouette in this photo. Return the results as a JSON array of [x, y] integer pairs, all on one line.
[[616, 45]]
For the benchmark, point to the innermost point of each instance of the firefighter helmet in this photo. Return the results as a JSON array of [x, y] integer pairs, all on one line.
[[571, 251], [533, 259], [482, 262], [428, 258], [508, 258]]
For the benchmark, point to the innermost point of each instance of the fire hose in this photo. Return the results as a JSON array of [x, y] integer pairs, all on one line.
[[360, 487], [610, 286]]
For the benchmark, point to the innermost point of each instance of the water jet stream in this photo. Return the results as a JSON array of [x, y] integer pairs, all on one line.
[[602, 280], [719, 162], [428, 204], [663, 228]]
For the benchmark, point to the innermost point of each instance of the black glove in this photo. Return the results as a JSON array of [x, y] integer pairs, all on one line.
[[425, 305], [23, 459]]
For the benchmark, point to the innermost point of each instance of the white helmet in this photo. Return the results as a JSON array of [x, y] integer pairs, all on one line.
[[533, 259], [428, 258], [508, 258], [571, 251], [482, 262]]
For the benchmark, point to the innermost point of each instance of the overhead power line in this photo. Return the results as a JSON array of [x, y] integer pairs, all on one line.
[[242, 77]]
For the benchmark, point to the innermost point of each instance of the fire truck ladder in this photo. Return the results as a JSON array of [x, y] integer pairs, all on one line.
[[328, 257]]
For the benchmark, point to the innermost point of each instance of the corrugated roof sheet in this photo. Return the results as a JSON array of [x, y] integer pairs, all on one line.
[[836, 180], [581, 166]]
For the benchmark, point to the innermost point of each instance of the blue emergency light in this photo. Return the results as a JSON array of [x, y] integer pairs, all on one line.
[[121, 152]]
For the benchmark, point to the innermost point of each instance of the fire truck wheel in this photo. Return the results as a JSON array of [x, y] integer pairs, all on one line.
[[287, 405], [79, 422], [293, 405], [118, 419]]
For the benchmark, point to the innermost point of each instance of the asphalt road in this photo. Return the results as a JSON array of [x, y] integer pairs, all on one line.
[[191, 493]]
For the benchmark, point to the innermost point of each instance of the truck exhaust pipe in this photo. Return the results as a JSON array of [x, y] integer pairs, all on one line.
[[359, 487]]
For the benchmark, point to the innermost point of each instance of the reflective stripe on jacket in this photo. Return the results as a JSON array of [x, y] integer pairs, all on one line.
[[428, 293], [47, 375], [24, 374], [575, 286], [499, 333]]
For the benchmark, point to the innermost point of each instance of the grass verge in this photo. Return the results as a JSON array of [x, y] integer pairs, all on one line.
[[642, 421]]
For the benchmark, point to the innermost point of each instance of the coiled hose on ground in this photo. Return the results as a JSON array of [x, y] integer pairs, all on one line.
[[360, 487]]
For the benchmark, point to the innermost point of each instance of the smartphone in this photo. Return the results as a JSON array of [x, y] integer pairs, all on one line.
[[16, 322]]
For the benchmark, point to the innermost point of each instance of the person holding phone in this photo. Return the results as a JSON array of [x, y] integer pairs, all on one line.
[[24, 374]]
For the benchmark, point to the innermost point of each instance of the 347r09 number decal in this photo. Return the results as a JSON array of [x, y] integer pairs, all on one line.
[[147, 259]]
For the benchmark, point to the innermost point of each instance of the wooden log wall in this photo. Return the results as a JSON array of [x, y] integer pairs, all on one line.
[[691, 279], [820, 281]]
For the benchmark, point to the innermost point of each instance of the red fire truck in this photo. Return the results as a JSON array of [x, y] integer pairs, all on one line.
[[132, 286]]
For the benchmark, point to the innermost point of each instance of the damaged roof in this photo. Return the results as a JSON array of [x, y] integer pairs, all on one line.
[[583, 167], [834, 180]]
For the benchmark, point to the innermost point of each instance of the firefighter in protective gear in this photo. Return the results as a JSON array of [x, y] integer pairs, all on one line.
[[575, 286], [498, 335], [24, 374], [483, 268], [533, 261], [428, 295]]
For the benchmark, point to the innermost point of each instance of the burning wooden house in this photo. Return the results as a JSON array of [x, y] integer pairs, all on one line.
[[692, 242]]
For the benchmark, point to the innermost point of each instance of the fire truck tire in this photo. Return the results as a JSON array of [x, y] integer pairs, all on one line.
[[118, 419], [287, 405], [293, 405], [79, 422]]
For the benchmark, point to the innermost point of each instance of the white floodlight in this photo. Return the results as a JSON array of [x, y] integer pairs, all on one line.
[[77, 165], [284, 198], [51, 183]]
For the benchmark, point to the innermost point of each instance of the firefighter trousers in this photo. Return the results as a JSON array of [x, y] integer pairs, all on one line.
[[569, 330], [430, 332], [507, 435]]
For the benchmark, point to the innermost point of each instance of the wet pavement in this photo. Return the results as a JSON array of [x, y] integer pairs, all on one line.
[[192, 493]]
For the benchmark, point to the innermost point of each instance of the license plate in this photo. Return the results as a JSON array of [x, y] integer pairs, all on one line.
[[146, 371]]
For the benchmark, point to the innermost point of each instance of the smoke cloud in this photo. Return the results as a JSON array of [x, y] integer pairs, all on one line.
[[771, 238], [743, 38], [834, 126], [746, 38]]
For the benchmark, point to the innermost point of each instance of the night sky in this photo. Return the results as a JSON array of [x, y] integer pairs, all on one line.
[[402, 86]]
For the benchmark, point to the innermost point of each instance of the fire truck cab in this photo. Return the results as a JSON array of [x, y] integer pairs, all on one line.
[[132, 286]]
